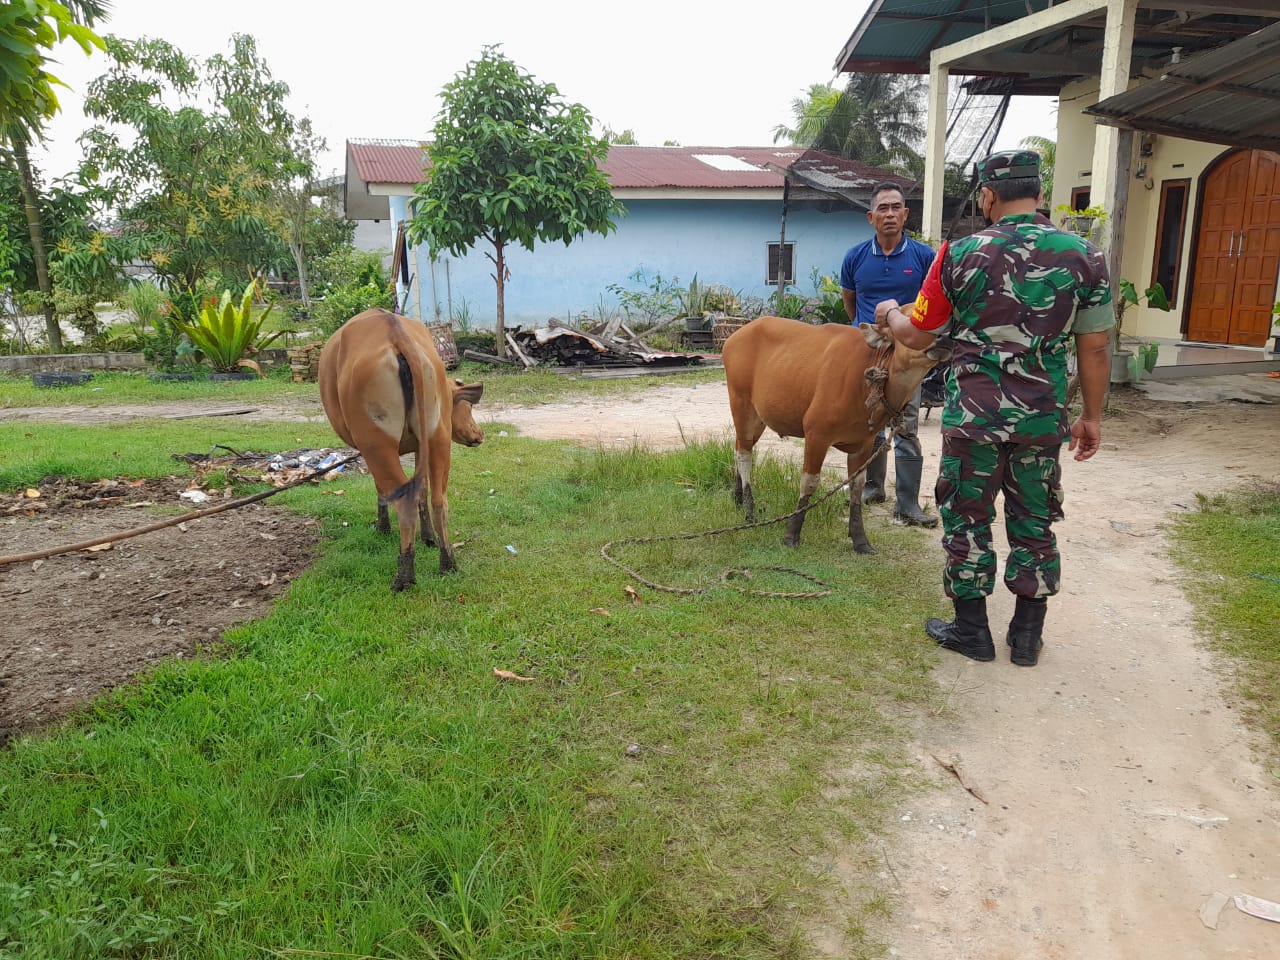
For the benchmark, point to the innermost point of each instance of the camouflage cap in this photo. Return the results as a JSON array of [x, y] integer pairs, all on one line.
[[1008, 164]]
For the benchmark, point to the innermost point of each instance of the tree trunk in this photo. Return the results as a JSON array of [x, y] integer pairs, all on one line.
[[300, 262], [499, 275], [31, 207]]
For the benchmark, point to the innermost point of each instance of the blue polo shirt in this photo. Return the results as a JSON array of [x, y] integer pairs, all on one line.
[[874, 276]]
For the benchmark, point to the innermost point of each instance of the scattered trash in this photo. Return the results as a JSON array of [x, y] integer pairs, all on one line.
[[329, 461], [1257, 907], [1211, 910], [503, 433], [633, 749], [32, 493], [508, 675], [194, 496], [99, 548], [511, 549]]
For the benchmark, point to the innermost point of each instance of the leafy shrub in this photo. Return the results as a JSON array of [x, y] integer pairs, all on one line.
[[348, 282], [227, 333], [655, 299]]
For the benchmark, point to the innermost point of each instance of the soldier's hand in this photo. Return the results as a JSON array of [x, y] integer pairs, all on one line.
[[1086, 437], [882, 311]]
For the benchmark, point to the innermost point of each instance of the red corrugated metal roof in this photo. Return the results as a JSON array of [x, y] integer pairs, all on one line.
[[707, 168], [388, 161]]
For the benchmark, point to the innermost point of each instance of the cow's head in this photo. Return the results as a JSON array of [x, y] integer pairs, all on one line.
[[465, 396], [904, 356]]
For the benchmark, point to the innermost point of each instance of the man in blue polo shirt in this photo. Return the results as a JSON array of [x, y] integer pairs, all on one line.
[[890, 266]]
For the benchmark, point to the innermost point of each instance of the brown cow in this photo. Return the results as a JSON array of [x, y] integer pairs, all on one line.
[[810, 381], [386, 393]]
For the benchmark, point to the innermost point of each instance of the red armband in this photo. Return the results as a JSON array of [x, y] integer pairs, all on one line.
[[932, 308]]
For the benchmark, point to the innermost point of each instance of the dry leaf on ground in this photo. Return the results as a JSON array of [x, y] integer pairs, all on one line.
[[508, 675]]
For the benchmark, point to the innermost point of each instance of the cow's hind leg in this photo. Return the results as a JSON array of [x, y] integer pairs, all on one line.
[[742, 494], [384, 517], [857, 533], [748, 428], [395, 491], [438, 474], [424, 518]]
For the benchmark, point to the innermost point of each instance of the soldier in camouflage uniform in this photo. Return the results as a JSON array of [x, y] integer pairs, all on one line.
[[1010, 296]]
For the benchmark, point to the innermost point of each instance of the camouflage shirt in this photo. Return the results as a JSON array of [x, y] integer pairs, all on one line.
[[1011, 296]]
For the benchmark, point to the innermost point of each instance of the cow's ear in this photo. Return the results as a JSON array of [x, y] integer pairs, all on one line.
[[875, 339], [470, 392]]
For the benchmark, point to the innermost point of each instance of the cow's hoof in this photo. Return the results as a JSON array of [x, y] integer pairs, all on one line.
[[448, 566], [790, 541], [864, 548], [399, 584]]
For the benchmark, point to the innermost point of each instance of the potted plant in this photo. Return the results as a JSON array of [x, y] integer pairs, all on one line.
[[226, 333], [693, 307], [1128, 366], [1085, 223]]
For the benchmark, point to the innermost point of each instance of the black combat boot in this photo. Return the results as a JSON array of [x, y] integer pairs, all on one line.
[[1025, 630], [968, 634], [906, 483], [873, 492]]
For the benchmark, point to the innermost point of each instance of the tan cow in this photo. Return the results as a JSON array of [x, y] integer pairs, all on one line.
[[810, 381], [386, 393]]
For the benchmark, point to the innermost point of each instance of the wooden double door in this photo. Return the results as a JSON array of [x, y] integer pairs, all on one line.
[[1237, 254]]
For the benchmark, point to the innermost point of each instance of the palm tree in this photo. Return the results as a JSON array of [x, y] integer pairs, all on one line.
[[1048, 150], [27, 99], [876, 119]]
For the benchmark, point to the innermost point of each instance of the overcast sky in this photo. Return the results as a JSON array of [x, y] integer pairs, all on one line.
[[700, 72]]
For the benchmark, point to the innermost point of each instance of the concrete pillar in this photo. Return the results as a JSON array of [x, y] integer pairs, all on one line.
[[935, 149], [1112, 147]]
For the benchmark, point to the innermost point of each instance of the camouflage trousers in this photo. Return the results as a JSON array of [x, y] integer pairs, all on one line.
[[972, 472]]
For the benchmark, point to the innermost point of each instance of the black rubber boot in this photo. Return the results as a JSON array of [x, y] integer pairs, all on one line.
[[873, 492], [968, 634], [907, 484], [1026, 630]]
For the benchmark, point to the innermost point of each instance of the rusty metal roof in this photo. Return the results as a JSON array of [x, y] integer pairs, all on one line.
[[1230, 95], [634, 167], [898, 36], [387, 161]]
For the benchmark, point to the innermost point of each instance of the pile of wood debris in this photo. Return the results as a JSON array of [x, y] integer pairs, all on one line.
[[611, 344]]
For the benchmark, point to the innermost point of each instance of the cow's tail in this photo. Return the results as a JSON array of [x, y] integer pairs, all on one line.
[[413, 385]]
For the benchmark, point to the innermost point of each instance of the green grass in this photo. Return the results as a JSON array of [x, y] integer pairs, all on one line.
[[348, 779], [500, 386], [1230, 549]]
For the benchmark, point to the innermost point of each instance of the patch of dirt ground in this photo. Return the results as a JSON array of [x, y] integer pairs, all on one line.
[[78, 624], [1125, 796]]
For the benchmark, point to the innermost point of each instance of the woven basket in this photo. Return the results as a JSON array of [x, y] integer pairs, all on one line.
[[723, 329], [442, 334]]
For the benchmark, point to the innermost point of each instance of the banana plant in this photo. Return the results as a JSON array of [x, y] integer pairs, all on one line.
[[226, 332]]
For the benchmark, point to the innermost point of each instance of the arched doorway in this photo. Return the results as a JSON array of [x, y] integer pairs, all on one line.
[[1237, 250]]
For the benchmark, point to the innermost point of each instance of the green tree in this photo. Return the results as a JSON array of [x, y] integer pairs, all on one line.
[[1048, 150], [295, 196], [876, 119], [29, 29], [511, 162], [627, 137], [190, 155]]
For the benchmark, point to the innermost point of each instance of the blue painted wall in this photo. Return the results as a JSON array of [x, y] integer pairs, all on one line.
[[722, 241]]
